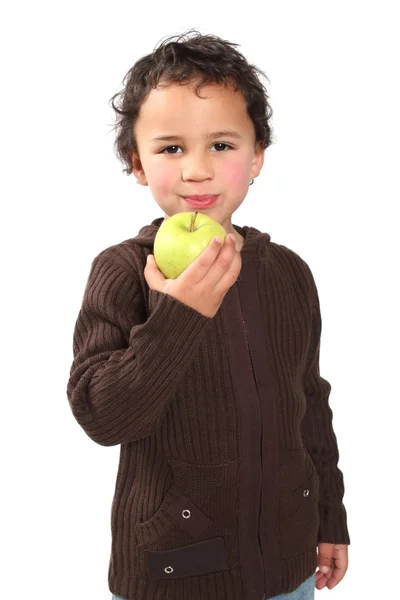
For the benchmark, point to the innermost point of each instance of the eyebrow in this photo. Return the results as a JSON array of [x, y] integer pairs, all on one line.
[[209, 136]]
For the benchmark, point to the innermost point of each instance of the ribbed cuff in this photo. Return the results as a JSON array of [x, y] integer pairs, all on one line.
[[178, 323], [333, 526]]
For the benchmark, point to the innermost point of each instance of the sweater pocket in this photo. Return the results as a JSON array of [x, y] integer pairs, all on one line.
[[177, 521], [194, 529], [176, 510]]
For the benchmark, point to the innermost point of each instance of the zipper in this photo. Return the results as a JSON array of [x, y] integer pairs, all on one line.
[[261, 437]]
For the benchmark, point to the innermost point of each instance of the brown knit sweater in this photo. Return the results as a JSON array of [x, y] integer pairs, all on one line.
[[228, 475]]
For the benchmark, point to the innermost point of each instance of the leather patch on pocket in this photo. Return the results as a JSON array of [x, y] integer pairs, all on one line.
[[200, 558], [188, 516]]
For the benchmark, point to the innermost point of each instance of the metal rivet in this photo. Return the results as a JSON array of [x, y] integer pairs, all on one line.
[[306, 492], [168, 569], [186, 513]]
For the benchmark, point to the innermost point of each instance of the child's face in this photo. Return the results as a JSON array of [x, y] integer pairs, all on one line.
[[192, 164]]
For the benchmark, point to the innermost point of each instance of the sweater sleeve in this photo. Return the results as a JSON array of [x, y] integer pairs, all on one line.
[[320, 439], [125, 368]]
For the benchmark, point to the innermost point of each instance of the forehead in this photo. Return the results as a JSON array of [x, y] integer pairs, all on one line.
[[171, 106]]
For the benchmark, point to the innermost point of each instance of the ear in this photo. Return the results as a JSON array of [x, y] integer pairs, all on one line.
[[258, 159], [137, 169]]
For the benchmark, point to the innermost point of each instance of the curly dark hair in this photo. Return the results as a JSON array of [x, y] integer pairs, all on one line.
[[205, 57]]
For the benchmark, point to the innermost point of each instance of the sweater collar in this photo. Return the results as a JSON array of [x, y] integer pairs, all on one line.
[[253, 238]]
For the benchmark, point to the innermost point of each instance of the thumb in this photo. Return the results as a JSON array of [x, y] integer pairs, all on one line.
[[324, 568], [324, 557]]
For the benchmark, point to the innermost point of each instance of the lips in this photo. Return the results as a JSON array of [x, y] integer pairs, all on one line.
[[201, 201], [202, 197]]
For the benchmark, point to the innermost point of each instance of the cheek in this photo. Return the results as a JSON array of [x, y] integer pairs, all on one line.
[[235, 173], [162, 179]]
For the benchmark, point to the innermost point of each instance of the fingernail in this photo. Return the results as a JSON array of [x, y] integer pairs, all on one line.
[[218, 240], [148, 257], [324, 569]]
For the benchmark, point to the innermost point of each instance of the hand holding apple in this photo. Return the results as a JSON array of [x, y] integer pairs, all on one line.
[[181, 238], [205, 281]]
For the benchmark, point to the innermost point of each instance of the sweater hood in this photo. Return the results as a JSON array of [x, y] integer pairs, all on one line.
[[253, 238]]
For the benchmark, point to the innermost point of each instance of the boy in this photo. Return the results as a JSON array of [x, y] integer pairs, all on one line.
[[228, 484]]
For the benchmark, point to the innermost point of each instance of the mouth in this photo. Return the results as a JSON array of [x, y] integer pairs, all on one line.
[[203, 201]]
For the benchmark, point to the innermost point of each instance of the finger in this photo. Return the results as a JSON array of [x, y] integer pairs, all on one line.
[[322, 578], [228, 279], [152, 273], [200, 267], [337, 575], [222, 264], [325, 557], [320, 582]]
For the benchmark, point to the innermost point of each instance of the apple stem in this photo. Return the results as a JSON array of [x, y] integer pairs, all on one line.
[[193, 220]]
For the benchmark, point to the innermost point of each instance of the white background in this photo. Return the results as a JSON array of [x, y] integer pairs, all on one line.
[[328, 190]]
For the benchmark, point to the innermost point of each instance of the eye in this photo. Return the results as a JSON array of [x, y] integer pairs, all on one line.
[[222, 144], [168, 147]]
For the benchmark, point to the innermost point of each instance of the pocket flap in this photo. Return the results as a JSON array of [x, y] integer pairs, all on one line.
[[194, 559], [189, 517]]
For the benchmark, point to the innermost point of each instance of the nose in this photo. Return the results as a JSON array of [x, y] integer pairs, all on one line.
[[197, 168]]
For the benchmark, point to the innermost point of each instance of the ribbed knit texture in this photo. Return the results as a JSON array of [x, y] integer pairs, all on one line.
[[155, 376]]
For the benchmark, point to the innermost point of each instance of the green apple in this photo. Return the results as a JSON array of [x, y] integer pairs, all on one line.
[[181, 238]]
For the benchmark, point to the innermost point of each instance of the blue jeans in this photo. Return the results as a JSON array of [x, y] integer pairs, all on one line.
[[305, 591]]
